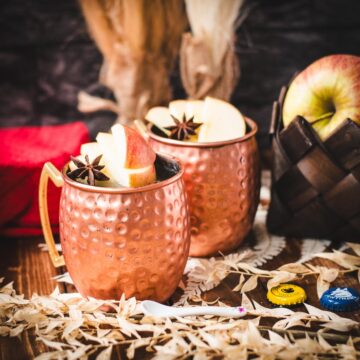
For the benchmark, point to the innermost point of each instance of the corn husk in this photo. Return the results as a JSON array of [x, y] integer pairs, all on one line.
[[139, 41], [208, 63]]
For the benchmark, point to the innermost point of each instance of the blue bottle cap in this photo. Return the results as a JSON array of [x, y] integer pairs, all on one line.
[[340, 299]]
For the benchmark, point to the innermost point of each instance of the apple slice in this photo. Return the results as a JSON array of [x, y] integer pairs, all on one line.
[[125, 177], [108, 149], [177, 108], [160, 117], [221, 121], [195, 108], [189, 107], [92, 150], [137, 177], [131, 149]]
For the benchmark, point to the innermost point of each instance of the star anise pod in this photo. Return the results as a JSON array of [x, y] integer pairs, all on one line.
[[183, 129], [90, 170]]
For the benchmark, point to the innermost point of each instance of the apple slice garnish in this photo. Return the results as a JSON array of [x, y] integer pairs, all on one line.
[[92, 150], [195, 108], [221, 121], [160, 117], [125, 177], [137, 177], [131, 149], [177, 108], [191, 108]]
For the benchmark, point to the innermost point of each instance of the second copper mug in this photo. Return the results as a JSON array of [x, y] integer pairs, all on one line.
[[121, 240], [223, 182]]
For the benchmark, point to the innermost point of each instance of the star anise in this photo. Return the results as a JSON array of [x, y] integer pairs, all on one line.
[[90, 170], [183, 129]]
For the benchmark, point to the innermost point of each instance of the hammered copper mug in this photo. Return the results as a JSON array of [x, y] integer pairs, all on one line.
[[222, 181], [121, 240]]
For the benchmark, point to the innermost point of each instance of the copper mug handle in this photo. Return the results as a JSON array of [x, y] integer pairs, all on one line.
[[49, 171]]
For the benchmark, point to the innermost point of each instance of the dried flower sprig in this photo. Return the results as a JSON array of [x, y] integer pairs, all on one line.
[[72, 327], [206, 274]]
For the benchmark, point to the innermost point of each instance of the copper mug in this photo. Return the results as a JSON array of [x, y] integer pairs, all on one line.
[[120, 240], [223, 183]]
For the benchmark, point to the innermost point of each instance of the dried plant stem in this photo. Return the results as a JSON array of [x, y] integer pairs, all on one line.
[[267, 315], [273, 275], [294, 333], [246, 273], [300, 333]]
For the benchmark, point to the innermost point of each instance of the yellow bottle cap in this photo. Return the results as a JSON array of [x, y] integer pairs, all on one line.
[[286, 294]]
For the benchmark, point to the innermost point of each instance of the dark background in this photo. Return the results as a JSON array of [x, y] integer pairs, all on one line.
[[46, 56]]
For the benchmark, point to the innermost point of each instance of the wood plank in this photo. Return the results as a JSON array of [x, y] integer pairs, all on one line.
[[22, 262], [31, 270]]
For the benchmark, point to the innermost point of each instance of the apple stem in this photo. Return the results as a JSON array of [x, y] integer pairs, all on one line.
[[323, 117]]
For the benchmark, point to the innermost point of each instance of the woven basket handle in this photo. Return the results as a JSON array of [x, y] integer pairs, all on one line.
[[276, 116], [275, 123]]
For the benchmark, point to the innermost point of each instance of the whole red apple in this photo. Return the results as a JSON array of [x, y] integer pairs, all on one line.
[[326, 93]]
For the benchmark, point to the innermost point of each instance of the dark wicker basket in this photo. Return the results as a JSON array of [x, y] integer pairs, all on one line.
[[315, 185]]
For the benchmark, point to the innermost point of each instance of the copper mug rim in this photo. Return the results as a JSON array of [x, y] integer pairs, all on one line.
[[125, 190], [251, 123]]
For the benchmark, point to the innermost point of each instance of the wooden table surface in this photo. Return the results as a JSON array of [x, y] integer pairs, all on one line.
[[22, 261]]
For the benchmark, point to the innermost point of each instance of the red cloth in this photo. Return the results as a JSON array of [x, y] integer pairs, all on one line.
[[23, 152]]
